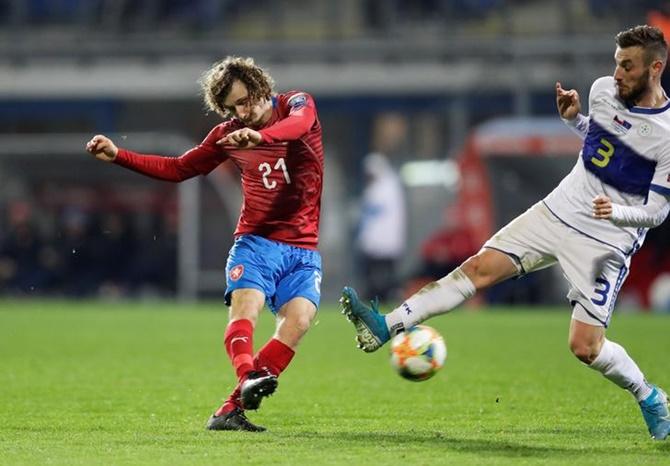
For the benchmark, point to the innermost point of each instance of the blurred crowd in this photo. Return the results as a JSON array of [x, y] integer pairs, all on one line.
[[87, 253], [358, 17]]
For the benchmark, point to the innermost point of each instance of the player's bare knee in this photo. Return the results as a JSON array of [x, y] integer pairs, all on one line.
[[471, 267], [302, 322], [585, 352], [585, 341], [479, 271]]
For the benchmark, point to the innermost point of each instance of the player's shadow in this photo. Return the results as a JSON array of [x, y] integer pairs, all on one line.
[[479, 446]]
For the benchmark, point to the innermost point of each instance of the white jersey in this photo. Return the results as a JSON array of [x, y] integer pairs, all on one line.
[[626, 154]]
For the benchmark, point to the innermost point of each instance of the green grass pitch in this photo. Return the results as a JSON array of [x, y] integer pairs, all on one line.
[[85, 383]]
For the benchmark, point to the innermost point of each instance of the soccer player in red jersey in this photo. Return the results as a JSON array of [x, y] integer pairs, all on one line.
[[275, 142]]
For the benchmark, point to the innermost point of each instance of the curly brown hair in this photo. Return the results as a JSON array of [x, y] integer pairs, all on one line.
[[650, 38], [217, 81]]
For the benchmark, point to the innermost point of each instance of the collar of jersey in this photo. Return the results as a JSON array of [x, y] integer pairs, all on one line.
[[649, 111]]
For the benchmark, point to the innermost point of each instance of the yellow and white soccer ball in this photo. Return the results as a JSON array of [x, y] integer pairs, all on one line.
[[418, 353]]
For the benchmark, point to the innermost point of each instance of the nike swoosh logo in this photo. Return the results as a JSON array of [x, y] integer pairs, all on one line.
[[244, 339]]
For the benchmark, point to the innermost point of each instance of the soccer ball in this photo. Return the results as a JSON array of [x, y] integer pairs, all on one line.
[[418, 353]]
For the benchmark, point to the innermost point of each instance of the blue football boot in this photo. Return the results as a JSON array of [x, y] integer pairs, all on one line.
[[371, 330], [655, 411]]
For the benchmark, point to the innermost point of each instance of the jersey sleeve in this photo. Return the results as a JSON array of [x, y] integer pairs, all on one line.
[[649, 215], [579, 125], [598, 85], [300, 119], [660, 183], [199, 160]]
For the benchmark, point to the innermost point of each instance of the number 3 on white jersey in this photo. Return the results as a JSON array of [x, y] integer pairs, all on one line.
[[266, 168], [606, 151]]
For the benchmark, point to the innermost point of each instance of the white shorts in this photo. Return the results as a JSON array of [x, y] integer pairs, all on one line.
[[595, 271]]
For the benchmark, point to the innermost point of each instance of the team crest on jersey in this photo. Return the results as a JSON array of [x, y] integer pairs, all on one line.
[[644, 129], [236, 272], [297, 101], [620, 125]]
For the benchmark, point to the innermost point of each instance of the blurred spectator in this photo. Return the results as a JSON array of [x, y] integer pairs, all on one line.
[[153, 269], [81, 271], [26, 263], [114, 249], [660, 293], [442, 252], [445, 250], [474, 9], [381, 237]]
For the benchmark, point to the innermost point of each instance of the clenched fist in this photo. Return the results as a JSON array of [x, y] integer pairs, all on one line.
[[602, 207], [102, 147], [567, 102]]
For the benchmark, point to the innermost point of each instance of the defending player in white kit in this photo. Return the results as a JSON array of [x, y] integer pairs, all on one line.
[[591, 224], [624, 163]]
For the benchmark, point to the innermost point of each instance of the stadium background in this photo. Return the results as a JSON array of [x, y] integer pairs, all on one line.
[[446, 71]]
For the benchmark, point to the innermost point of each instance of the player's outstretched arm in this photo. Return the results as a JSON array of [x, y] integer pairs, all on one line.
[[569, 108], [102, 147], [649, 215], [200, 160]]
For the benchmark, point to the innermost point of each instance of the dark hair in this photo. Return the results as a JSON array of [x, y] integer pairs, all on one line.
[[218, 80], [650, 38]]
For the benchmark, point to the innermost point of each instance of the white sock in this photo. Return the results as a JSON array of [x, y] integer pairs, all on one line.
[[614, 363], [435, 298]]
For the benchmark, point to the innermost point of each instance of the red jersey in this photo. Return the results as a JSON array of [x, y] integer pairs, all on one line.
[[282, 177]]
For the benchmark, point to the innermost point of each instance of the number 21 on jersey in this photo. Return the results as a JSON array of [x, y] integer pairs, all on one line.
[[266, 170]]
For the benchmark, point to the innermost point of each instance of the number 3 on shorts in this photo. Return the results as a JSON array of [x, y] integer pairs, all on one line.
[[601, 290]]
